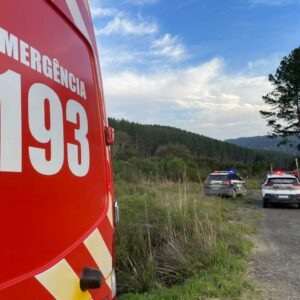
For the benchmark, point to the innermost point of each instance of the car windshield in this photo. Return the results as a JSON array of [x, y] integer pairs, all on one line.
[[283, 180], [217, 177]]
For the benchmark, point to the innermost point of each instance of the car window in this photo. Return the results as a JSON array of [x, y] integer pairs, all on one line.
[[217, 177], [282, 180], [235, 177]]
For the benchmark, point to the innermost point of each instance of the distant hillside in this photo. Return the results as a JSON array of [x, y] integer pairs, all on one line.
[[149, 140], [265, 143]]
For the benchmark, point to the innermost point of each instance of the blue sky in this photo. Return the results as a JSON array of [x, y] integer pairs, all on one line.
[[199, 65]]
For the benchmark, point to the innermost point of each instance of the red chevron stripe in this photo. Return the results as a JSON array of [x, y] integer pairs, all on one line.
[[80, 258], [27, 289], [107, 233]]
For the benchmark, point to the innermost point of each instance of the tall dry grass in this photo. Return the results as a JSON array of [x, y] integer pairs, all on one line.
[[170, 232]]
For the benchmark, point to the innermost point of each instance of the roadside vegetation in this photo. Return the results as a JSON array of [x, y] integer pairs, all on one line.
[[160, 149], [172, 241], [175, 243]]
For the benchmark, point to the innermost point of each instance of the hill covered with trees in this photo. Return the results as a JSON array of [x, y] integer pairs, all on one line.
[[266, 143], [154, 150]]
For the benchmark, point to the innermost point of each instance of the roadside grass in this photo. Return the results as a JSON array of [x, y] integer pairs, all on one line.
[[254, 183], [175, 243]]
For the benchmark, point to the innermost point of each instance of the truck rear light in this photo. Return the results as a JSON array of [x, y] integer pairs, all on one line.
[[297, 185], [109, 136], [269, 184]]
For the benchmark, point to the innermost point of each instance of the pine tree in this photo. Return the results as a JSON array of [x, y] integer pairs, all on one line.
[[284, 101]]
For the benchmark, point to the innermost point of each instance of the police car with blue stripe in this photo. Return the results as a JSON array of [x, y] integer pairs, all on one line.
[[224, 183]]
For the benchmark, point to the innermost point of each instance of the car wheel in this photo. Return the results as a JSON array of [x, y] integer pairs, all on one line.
[[233, 194], [298, 205], [265, 203]]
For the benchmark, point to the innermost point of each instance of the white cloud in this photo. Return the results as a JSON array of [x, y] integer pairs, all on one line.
[[100, 10], [265, 65], [103, 12], [119, 57], [169, 46], [202, 99], [125, 26]]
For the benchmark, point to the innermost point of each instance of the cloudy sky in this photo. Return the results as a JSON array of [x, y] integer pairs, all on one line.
[[199, 65]]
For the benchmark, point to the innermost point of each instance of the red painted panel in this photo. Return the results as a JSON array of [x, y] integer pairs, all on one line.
[[27, 289], [45, 216], [107, 232]]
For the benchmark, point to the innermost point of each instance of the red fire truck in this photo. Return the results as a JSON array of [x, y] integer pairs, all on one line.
[[57, 209]]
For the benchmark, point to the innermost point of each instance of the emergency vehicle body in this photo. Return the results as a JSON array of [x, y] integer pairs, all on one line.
[[56, 191]]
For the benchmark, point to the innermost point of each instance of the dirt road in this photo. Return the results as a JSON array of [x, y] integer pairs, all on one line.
[[276, 258]]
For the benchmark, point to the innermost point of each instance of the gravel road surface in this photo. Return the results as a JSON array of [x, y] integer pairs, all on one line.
[[276, 258]]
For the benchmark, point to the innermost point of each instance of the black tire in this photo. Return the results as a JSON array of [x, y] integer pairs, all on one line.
[[265, 203], [298, 205]]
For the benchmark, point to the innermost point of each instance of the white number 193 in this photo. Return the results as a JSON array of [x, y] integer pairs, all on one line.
[[39, 97]]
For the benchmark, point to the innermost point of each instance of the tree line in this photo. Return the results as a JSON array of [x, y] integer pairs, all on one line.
[[164, 151]]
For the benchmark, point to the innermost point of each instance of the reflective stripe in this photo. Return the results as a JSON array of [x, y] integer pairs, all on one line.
[[98, 250], [86, 4], [77, 17], [110, 210], [108, 154], [108, 281], [62, 282]]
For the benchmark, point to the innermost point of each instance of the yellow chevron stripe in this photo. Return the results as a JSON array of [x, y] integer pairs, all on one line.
[[110, 210], [62, 282], [108, 282], [97, 248]]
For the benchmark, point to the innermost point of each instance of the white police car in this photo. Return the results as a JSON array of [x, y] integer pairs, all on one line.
[[281, 187]]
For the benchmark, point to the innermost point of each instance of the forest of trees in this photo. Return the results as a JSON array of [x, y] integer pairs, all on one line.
[[153, 150]]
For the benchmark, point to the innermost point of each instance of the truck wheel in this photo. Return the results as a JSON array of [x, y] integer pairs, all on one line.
[[265, 203]]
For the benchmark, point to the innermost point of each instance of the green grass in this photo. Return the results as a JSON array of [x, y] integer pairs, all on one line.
[[175, 243], [254, 183]]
